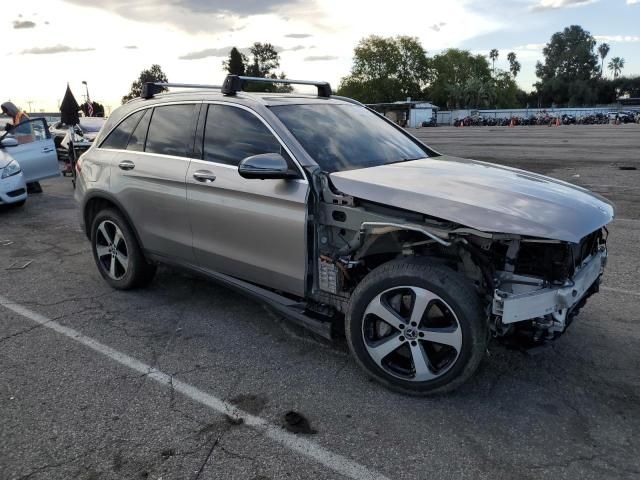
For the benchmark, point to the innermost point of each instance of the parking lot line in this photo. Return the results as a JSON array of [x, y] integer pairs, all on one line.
[[312, 450]]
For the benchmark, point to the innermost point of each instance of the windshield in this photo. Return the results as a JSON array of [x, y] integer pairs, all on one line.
[[347, 137]]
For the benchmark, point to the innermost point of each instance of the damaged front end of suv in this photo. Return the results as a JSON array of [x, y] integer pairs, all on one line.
[[533, 261]]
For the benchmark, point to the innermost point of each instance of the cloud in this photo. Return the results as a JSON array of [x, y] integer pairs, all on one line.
[[531, 46], [53, 49], [237, 7], [298, 35], [436, 27], [190, 15], [23, 24], [633, 2], [541, 5], [618, 38], [293, 49], [224, 51], [131, 47], [211, 52], [319, 58]]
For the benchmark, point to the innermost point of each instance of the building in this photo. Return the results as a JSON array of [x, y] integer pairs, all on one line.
[[412, 114]]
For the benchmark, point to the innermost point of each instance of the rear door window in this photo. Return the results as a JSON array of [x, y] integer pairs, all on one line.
[[139, 134], [171, 130], [119, 136], [232, 134]]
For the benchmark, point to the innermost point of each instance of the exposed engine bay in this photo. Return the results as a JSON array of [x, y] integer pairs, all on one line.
[[532, 288]]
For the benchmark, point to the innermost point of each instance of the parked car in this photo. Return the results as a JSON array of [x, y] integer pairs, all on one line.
[[35, 152], [13, 189], [59, 130], [342, 221], [91, 126]]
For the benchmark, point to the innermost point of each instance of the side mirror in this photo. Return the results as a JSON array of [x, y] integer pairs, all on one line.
[[266, 165], [9, 142]]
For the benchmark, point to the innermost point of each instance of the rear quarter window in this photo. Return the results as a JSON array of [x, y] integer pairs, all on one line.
[[119, 136]]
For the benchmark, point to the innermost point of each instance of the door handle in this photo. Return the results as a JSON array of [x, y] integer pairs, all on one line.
[[204, 176], [47, 150], [127, 165]]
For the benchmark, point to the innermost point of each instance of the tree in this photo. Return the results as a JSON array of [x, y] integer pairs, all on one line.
[[603, 51], [236, 62], [616, 65], [153, 74], [570, 65], [264, 59], [98, 109], [506, 92], [493, 55], [450, 72], [569, 54], [387, 69], [478, 92], [514, 64]]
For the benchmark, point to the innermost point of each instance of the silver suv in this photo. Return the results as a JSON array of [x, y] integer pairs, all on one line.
[[344, 223]]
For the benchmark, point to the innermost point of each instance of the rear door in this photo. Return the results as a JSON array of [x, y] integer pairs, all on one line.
[[251, 229], [36, 152], [148, 177]]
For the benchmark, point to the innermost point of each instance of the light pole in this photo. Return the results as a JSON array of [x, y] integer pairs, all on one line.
[[84, 82]]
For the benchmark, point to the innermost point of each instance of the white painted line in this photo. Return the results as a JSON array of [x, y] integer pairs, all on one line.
[[620, 290], [338, 463]]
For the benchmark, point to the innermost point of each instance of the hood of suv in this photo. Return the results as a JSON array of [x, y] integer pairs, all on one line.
[[484, 196]]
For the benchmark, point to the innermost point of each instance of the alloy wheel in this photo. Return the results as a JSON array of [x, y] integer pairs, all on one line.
[[412, 333], [111, 249]]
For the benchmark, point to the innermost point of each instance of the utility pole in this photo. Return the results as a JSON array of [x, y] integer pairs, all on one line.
[[84, 82], [30, 102]]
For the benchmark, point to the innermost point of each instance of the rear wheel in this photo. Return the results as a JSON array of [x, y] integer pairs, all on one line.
[[416, 328], [117, 253]]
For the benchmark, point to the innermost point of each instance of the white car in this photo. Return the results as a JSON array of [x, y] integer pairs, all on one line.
[[13, 188], [34, 150]]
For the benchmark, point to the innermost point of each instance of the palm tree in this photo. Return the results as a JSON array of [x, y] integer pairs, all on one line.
[[493, 55], [455, 94], [616, 65], [603, 50], [514, 64]]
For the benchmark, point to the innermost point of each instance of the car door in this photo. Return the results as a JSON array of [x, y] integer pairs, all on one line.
[[35, 152], [148, 176], [251, 229]]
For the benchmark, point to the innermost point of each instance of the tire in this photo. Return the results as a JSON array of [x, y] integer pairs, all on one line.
[[403, 356], [117, 253], [18, 204]]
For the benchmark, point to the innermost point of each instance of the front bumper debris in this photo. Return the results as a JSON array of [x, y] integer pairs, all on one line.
[[529, 299]]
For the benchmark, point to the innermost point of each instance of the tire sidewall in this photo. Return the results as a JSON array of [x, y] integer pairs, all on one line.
[[133, 251], [458, 294]]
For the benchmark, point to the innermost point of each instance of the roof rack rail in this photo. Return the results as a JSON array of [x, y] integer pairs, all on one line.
[[234, 83], [149, 89]]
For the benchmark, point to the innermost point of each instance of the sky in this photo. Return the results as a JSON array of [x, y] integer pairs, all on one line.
[[47, 43]]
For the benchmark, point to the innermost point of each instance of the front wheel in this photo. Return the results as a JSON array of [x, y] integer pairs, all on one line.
[[416, 327]]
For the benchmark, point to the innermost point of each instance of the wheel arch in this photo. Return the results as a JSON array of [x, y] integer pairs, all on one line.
[[97, 201]]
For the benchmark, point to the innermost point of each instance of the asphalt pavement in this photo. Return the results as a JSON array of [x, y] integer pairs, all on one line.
[[186, 379]]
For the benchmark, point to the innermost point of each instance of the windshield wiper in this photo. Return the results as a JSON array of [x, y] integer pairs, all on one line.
[[404, 160]]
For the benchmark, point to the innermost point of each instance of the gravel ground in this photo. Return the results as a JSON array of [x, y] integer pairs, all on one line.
[[69, 411]]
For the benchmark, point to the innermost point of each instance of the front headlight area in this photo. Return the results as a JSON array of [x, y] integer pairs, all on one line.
[[12, 168]]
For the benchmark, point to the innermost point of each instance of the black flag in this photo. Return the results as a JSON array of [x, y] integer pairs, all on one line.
[[69, 108]]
